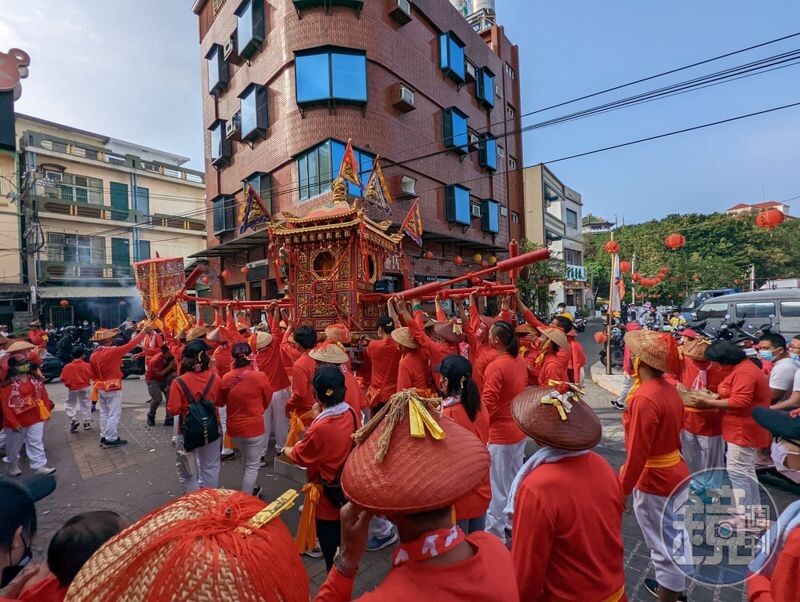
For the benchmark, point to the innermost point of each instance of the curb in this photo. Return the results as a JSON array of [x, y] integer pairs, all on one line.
[[610, 382]]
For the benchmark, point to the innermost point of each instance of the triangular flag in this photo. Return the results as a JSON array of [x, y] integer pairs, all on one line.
[[255, 211], [412, 224], [377, 193], [349, 168]]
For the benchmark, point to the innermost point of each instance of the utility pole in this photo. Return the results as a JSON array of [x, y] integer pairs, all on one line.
[[633, 284], [32, 236], [752, 276]]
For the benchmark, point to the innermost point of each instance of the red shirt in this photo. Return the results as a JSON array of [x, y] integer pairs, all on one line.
[[384, 357], [413, 371], [246, 394], [652, 420], [706, 422], [76, 375], [578, 359], [151, 345], [475, 504], [323, 451], [157, 364], [302, 399], [488, 575], [38, 337], [178, 405], [46, 590], [107, 361], [270, 361], [290, 353], [433, 351], [552, 368], [567, 538], [25, 410], [784, 583], [223, 359], [505, 378], [745, 388], [353, 394]]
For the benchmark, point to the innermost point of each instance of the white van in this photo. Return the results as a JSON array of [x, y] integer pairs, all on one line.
[[782, 306]]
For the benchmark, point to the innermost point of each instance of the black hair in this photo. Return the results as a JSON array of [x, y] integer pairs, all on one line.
[[458, 372], [240, 353], [774, 339], [18, 511], [564, 323], [725, 353], [76, 541], [386, 324], [329, 384], [195, 354], [306, 337], [77, 352], [164, 349], [505, 332], [796, 337]]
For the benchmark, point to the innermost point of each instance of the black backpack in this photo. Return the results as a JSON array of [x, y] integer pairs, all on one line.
[[200, 426]]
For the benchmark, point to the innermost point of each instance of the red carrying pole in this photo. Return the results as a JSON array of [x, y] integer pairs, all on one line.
[[191, 280]]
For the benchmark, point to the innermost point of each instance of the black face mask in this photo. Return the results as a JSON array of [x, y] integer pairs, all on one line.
[[13, 570]]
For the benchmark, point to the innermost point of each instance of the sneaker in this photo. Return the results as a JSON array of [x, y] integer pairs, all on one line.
[[315, 552], [102, 441], [257, 491], [229, 456], [263, 461], [13, 469], [73, 426], [151, 420], [94, 408], [651, 585], [118, 442], [375, 543], [169, 421], [45, 470], [87, 426], [617, 404]]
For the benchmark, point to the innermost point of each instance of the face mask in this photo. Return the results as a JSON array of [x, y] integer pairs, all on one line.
[[795, 356], [12, 571], [22, 368], [766, 354]]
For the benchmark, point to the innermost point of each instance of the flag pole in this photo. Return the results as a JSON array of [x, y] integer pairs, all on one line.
[[609, 312]]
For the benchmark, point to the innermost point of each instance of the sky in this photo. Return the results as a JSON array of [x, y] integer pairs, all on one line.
[[131, 70]]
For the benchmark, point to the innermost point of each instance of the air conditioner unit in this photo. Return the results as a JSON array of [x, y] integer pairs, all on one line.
[[229, 51], [407, 94], [401, 11], [257, 264], [408, 188], [403, 97], [470, 71], [474, 141], [498, 91], [475, 210], [53, 176], [503, 211], [232, 129]]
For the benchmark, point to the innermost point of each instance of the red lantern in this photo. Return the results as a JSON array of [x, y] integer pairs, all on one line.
[[63, 303], [244, 270], [769, 218], [625, 267], [611, 247], [225, 274], [636, 277], [458, 260], [675, 241], [600, 337], [428, 255]]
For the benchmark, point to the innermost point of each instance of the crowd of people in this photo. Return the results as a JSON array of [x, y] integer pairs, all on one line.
[[421, 446]]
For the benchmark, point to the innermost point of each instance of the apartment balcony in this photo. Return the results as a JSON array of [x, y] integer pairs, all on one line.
[[61, 272]]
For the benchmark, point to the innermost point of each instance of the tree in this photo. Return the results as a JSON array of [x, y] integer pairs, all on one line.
[[534, 280]]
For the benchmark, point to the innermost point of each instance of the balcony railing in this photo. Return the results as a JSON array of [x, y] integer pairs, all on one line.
[[50, 271], [103, 155]]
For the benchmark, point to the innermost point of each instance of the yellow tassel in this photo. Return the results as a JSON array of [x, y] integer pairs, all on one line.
[[637, 380], [420, 420], [545, 347], [44, 412], [284, 502], [296, 426], [307, 529]]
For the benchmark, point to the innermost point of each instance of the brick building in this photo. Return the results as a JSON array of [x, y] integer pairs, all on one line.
[[434, 94]]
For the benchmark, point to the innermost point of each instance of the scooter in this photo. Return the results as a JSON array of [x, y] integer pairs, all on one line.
[[579, 324], [133, 365], [51, 367], [617, 348]]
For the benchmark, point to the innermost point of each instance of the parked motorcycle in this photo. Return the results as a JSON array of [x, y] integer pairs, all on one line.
[[51, 367], [579, 324], [617, 348]]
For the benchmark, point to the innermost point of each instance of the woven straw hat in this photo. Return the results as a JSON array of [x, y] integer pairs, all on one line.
[[218, 335], [338, 333], [695, 349], [35, 323], [404, 338], [240, 326], [263, 339], [655, 349], [198, 332], [400, 482], [525, 329], [18, 346], [103, 334], [198, 547], [557, 336], [542, 421], [330, 353], [450, 332]]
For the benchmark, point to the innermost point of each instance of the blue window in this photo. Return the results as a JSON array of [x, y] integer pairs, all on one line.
[[217, 70], [253, 107], [456, 124], [318, 166], [487, 155], [484, 87], [457, 208], [220, 146], [249, 27], [490, 216], [262, 183], [331, 74], [451, 56], [224, 213]]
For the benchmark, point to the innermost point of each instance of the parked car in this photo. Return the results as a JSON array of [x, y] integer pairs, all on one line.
[[757, 309], [694, 300]]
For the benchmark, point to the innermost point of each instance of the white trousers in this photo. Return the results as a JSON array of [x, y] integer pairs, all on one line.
[[109, 405], [506, 462], [702, 453], [661, 520], [223, 421], [199, 467], [275, 419], [33, 439], [251, 449], [78, 401], [741, 467]]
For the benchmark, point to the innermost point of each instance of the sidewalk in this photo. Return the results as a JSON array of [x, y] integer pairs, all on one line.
[[610, 382], [140, 476]]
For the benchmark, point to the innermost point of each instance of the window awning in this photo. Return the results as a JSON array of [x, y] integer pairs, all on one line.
[[249, 242], [87, 292]]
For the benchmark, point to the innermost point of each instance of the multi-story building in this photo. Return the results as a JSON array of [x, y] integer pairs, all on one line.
[[750, 208], [594, 224], [553, 217], [434, 94], [101, 204]]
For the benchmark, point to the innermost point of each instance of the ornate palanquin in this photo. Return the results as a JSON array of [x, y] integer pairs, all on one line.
[[333, 254]]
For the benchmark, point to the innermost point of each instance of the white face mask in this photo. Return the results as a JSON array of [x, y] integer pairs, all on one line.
[[779, 453]]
